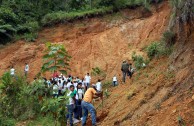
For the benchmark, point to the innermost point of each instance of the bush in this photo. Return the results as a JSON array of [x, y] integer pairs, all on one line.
[[157, 49], [98, 72], [29, 27], [106, 84], [30, 37], [153, 50], [6, 121], [57, 17], [18, 99], [139, 61], [169, 38]]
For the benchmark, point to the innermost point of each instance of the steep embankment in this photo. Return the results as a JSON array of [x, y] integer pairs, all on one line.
[[97, 42], [156, 96]]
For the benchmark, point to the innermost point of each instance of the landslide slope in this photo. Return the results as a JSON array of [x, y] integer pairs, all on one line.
[[102, 42], [156, 96]]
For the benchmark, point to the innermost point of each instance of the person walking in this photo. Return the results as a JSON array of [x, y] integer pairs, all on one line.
[[71, 104], [79, 97], [87, 80], [12, 71], [99, 85], [87, 105], [26, 69], [124, 69], [114, 81]]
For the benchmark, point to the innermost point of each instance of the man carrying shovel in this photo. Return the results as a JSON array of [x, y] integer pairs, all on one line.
[[87, 104]]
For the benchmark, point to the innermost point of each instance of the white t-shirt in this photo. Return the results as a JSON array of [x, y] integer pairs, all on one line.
[[12, 71], [75, 86], [26, 68], [79, 94], [55, 89], [99, 86], [68, 85], [114, 78], [87, 79], [71, 101], [60, 85]]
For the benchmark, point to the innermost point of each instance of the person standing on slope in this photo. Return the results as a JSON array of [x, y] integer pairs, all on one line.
[[87, 105], [125, 70], [12, 71], [87, 80], [26, 69]]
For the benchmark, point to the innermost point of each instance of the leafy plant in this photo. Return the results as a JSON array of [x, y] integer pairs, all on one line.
[[106, 93], [56, 59], [153, 50], [57, 107], [169, 38], [6, 121], [139, 61], [98, 72], [180, 120]]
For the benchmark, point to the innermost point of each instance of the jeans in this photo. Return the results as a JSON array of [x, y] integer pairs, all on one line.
[[88, 107], [70, 109], [87, 86], [114, 83], [124, 75], [78, 110]]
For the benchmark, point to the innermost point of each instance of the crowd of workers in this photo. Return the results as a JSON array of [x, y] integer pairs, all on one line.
[[80, 92]]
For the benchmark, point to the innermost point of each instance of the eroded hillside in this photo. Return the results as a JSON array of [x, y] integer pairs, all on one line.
[[97, 42], [156, 96]]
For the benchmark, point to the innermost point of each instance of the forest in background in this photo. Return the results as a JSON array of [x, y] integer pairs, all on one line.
[[22, 19]]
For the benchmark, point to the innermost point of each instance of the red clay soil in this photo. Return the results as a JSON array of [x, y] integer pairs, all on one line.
[[98, 42], [159, 95]]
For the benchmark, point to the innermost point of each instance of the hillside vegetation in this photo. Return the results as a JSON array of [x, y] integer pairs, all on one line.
[[22, 19], [159, 35]]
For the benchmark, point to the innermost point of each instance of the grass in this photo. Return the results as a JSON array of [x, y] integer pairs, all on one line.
[[42, 121], [57, 17]]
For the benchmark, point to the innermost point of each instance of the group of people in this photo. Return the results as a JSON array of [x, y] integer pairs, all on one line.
[[26, 69], [127, 70], [80, 93]]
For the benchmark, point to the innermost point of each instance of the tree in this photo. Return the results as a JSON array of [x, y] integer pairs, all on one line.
[[56, 59]]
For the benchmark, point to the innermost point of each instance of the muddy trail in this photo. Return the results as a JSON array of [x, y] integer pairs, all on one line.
[[155, 96]]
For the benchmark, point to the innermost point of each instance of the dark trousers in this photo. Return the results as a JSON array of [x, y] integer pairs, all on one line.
[[124, 75], [78, 110]]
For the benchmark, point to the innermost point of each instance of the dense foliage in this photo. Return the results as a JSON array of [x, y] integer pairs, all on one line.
[[56, 59], [21, 19]]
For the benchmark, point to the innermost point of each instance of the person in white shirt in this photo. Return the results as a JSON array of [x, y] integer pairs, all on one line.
[[87, 80], [79, 97], [69, 84], [114, 81], [55, 90], [26, 69], [71, 104], [99, 85], [12, 71]]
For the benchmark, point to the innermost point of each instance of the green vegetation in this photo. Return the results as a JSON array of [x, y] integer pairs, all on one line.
[[163, 47], [106, 84], [22, 19], [21, 101], [98, 72], [139, 61], [61, 16], [55, 59], [42, 121], [57, 108], [180, 120], [18, 99]]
